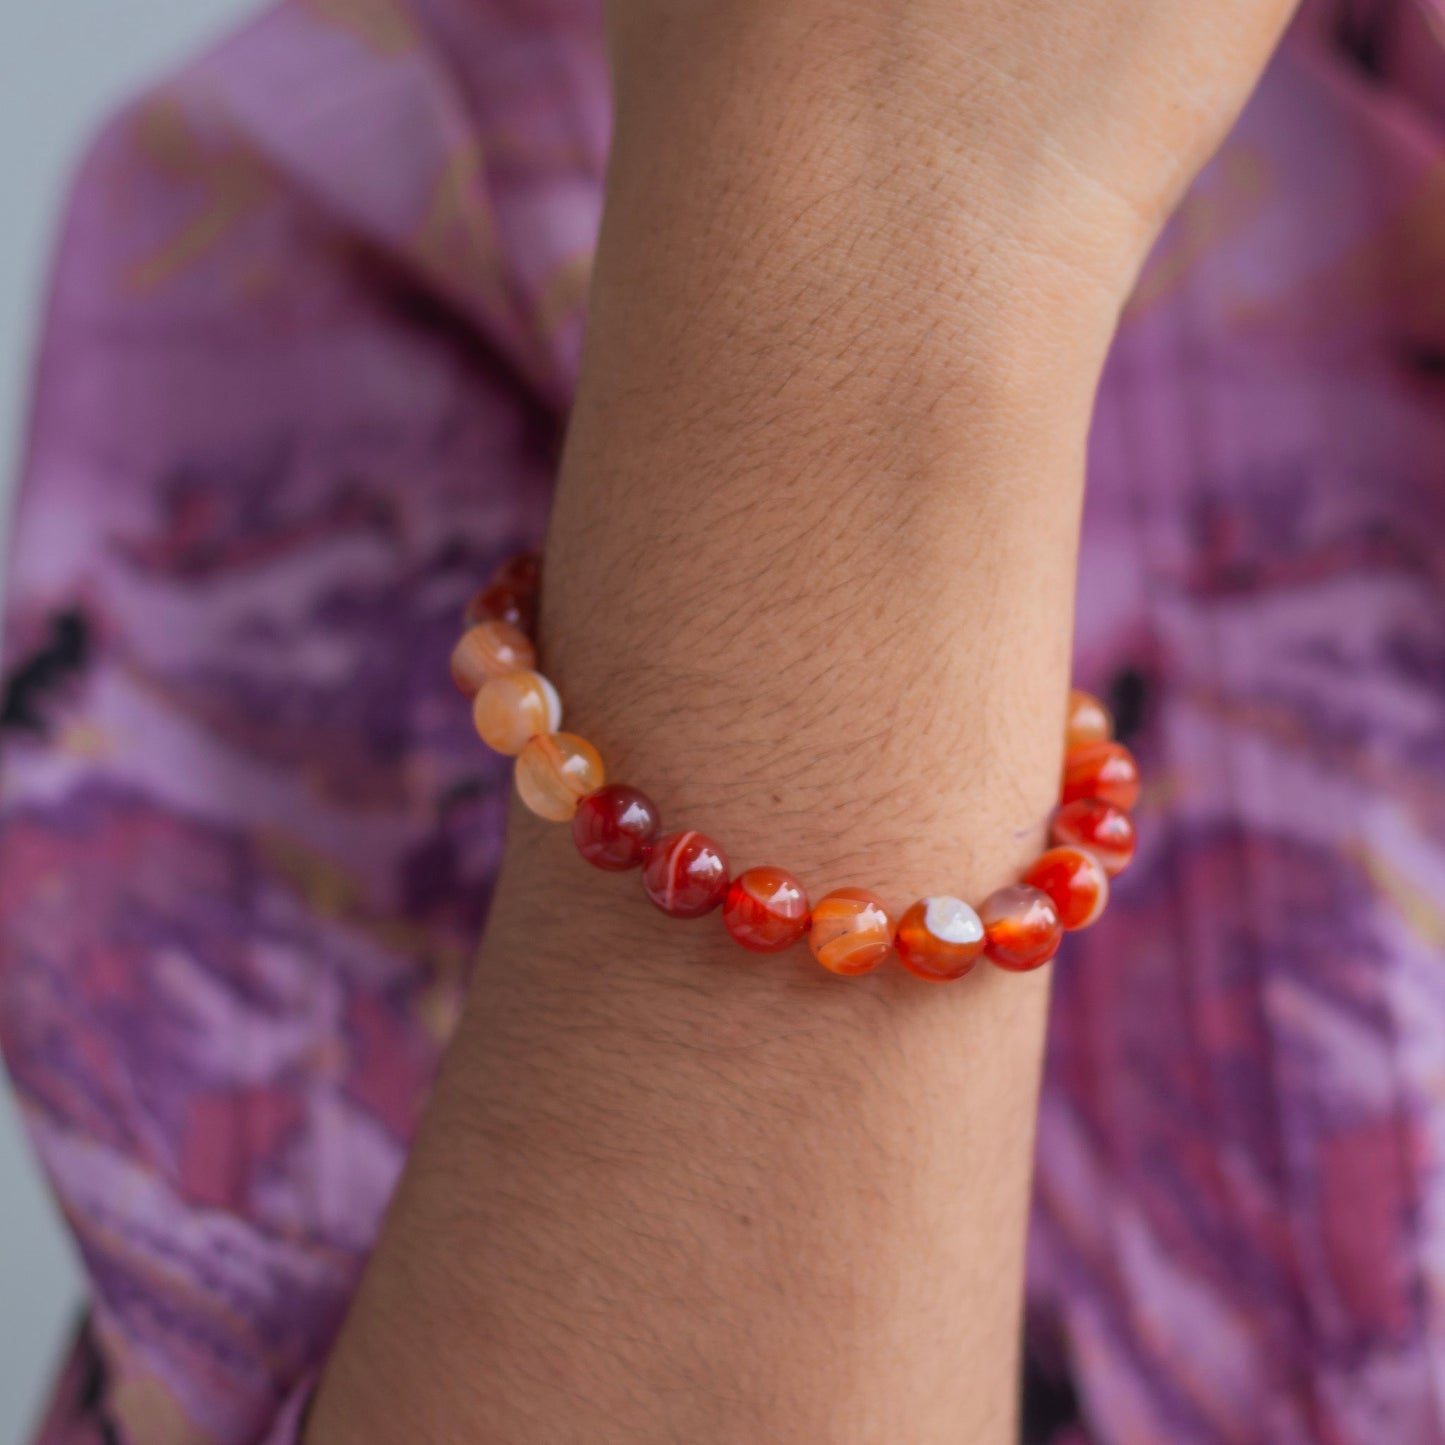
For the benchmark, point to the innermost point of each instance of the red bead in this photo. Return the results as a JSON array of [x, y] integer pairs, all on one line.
[[614, 827], [766, 910], [685, 875], [498, 603], [1106, 771], [939, 938], [522, 573], [1023, 928], [1107, 832], [1076, 883]]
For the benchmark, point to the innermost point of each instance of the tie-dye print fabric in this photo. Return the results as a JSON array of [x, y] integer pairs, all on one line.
[[313, 331]]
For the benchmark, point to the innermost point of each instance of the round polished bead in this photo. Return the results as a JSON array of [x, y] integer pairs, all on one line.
[[1089, 721], [766, 910], [686, 874], [851, 932], [497, 602], [555, 771], [522, 573], [509, 711], [614, 827], [1076, 884], [489, 649], [1106, 771], [940, 938], [1023, 928], [1104, 830]]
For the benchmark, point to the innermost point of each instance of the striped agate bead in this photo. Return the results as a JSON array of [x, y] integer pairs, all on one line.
[[1076, 883], [489, 649], [555, 771], [522, 573], [614, 827], [498, 603], [1100, 828], [686, 874], [1087, 720], [939, 938], [509, 711], [1106, 771], [766, 910], [851, 932], [1023, 928]]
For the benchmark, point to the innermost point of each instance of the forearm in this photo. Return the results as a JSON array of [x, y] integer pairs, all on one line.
[[811, 565], [809, 584]]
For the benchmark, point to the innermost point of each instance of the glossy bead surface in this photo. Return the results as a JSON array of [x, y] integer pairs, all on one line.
[[488, 650], [766, 910], [851, 932], [1104, 830], [499, 603], [555, 771], [509, 711], [1076, 883], [614, 827], [940, 938], [522, 573], [686, 874], [1023, 928], [1106, 771], [1088, 721]]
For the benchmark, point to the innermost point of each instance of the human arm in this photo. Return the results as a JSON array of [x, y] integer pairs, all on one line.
[[809, 583]]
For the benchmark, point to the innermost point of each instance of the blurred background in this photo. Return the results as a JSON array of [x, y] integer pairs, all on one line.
[[63, 65]]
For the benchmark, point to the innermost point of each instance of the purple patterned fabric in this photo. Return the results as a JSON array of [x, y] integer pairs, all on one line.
[[312, 337]]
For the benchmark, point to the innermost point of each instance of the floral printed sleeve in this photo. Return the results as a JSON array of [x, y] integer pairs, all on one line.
[[313, 323], [312, 335]]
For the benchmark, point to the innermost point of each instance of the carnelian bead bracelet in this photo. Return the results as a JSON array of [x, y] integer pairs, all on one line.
[[685, 874]]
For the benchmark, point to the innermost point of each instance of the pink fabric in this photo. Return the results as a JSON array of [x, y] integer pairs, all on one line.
[[313, 333]]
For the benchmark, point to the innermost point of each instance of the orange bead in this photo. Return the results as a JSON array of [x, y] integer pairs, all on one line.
[[940, 938], [1103, 830], [1106, 771], [1089, 721], [488, 650], [511, 710], [555, 771], [766, 910], [851, 932], [1023, 928], [1076, 883]]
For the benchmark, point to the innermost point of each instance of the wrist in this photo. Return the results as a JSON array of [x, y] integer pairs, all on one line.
[[897, 124], [855, 423]]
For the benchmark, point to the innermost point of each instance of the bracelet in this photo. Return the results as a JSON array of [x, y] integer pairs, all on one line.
[[560, 776]]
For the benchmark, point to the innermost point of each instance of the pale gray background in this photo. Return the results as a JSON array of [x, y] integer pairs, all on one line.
[[63, 65]]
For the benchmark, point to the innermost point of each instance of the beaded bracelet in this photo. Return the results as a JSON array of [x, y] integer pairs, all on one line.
[[559, 776]]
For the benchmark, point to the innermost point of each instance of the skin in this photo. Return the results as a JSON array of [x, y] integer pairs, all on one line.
[[809, 583]]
